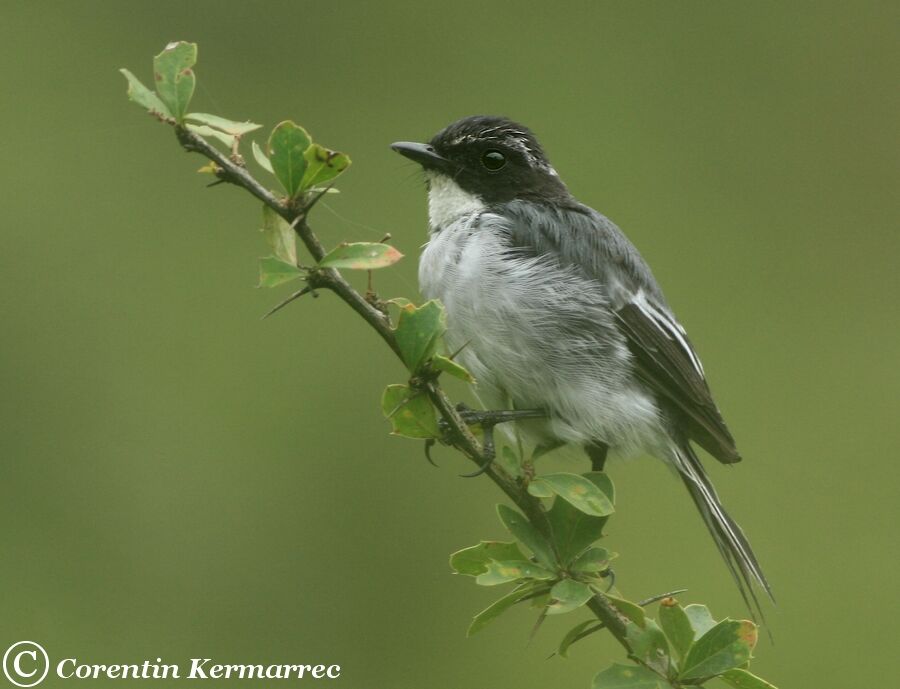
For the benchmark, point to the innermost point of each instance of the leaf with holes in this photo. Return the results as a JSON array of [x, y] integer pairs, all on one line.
[[410, 412], [361, 256], [286, 153], [144, 97], [322, 166], [174, 77]]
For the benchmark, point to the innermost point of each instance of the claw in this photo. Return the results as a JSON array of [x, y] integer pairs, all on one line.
[[480, 470], [611, 575], [430, 443]]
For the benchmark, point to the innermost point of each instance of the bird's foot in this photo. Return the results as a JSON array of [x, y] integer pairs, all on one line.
[[488, 419]]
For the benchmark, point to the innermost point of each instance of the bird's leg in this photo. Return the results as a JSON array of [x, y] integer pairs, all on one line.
[[597, 453], [487, 419]]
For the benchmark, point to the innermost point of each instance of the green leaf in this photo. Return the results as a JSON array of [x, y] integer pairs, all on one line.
[[498, 607], [419, 331], [322, 165], [701, 619], [222, 124], [627, 677], [568, 595], [273, 272], [361, 256], [474, 560], [174, 78], [503, 572], [411, 413], [401, 302], [261, 158], [632, 611], [741, 679], [280, 236], [286, 148], [522, 529], [676, 625], [144, 97], [594, 559], [577, 633], [203, 130], [580, 492], [442, 363], [724, 647], [540, 488], [573, 530], [509, 461], [649, 645]]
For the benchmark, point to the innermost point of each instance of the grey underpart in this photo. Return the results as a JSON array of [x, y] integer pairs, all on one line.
[[534, 291]]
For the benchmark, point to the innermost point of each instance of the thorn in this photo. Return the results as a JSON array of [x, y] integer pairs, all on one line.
[[385, 238], [537, 624], [653, 599], [456, 353], [281, 305], [312, 203], [218, 181]]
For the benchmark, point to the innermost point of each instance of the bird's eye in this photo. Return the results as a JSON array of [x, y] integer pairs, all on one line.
[[493, 160]]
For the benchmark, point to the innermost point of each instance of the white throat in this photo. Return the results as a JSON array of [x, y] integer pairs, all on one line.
[[448, 202]]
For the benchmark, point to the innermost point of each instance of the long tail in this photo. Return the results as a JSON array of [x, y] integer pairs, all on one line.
[[729, 538]]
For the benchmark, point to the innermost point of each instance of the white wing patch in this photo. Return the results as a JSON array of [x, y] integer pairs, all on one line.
[[670, 327]]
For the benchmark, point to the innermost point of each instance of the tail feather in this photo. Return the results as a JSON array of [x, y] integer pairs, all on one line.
[[729, 539]]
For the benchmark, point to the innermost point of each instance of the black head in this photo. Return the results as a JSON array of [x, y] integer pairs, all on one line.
[[492, 157]]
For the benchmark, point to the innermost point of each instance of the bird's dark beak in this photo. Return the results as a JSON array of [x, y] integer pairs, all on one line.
[[424, 155]]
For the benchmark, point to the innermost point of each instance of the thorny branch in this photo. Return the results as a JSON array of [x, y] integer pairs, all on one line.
[[228, 170]]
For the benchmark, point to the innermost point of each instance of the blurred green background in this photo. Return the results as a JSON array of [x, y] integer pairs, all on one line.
[[181, 479]]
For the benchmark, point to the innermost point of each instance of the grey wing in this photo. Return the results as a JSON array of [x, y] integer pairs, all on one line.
[[663, 356]]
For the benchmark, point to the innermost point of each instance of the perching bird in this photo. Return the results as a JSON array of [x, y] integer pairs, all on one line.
[[554, 309]]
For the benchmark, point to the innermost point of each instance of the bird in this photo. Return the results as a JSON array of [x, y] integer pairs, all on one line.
[[551, 307]]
